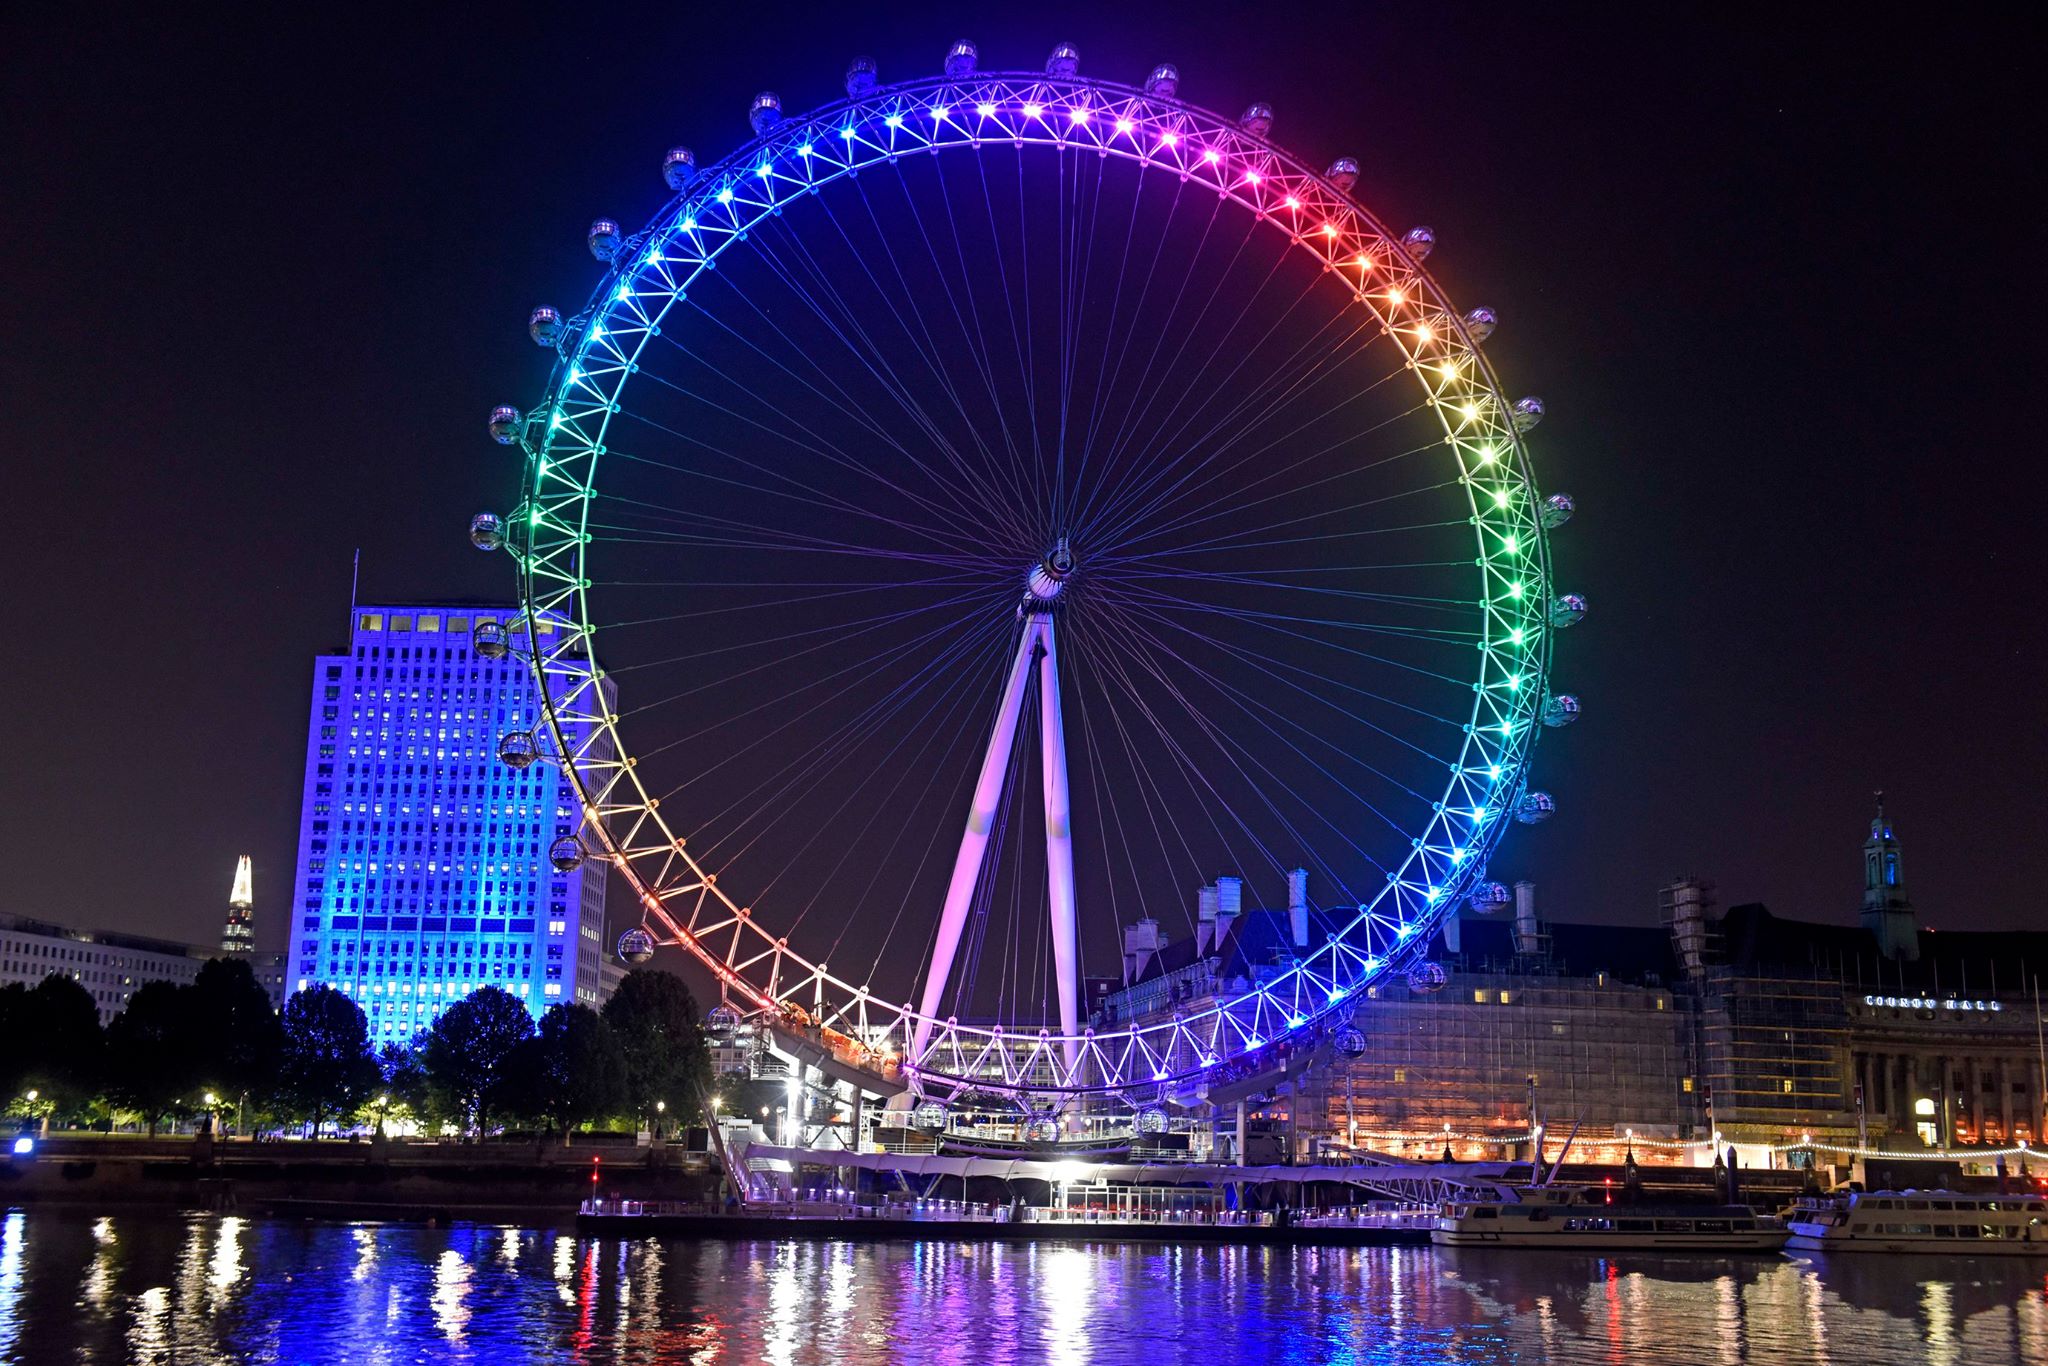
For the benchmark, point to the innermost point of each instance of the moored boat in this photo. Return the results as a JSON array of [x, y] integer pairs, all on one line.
[[1584, 1220], [1958, 1223]]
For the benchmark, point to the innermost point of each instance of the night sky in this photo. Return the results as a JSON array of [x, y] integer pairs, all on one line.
[[266, 274]]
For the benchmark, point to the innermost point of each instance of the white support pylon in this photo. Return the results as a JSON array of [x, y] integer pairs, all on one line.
[[1059, 841], [1035, 641], [981, 817]]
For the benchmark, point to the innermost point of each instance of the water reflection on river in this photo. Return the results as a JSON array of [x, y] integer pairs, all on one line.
[[197, 1289]]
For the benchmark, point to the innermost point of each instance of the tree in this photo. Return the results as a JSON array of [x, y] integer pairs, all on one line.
[[237, 1038], [325, 1068], [54, 1046], [572, 1070], [667, 1060], [149, 1054], [465, 1052]]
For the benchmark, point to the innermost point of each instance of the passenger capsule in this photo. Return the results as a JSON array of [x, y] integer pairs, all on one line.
[[486, 531], [1527, 412], [861, 78], [960, 59], [566, 853], [1164, 82], [1557, 510], [1490, 898], [766, 111], [1560, 710], [504, 425], [544, 325], [1257, 120], [1343, 172], [1427, 977], [517, 749], [604, 240], [930, 1116], [1065, 62], [1420, 242], [1043, 1129], [1535, 808], [1480, 322], [721, 1021], [679, 167], [1349, 1043], [1150, 1120], [636, 945], [489, 639], [1567, 609]]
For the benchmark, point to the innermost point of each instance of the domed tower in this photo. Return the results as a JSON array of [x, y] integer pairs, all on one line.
[[238, 940], [1887, 911]]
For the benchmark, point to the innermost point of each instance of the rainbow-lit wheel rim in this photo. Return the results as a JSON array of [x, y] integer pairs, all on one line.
[[565, 443]]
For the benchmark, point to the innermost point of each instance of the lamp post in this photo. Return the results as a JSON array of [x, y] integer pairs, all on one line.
[[660, 1110]]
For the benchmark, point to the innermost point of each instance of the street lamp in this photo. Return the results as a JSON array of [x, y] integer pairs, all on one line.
[[660, 1109]]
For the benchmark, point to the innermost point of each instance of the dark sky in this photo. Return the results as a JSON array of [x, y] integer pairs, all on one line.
[[267, 271]]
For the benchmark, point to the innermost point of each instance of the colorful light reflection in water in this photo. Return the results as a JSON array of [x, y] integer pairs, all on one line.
[[201, 1289]]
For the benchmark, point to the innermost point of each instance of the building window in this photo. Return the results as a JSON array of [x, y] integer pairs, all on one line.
[[1685, 1085], [1481, 996]]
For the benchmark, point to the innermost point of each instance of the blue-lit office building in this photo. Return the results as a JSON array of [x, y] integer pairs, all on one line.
[[423, 869]]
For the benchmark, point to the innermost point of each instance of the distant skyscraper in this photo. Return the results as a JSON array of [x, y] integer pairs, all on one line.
[[239, 938], [424, 868]]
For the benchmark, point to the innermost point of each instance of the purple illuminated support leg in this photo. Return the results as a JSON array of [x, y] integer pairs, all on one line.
[[1059, 843], [981, 816]]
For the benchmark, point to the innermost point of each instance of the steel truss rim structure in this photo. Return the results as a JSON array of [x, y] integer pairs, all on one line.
[[680, 900]]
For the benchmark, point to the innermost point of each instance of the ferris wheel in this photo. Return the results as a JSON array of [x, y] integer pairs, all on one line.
[[997, 527]]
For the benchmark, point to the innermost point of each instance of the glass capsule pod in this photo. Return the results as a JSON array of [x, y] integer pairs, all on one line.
[[518, 749], [1164, 82], [1065, 62], [1535, 808], [636, 945], [679, 168], [765, 112], [1151, 1120], [1043, 1129], [1480, 323], [1427, 977], [504, 426], [1343, 172], [488, 637], [862, 76], [604, 239], [930, 1116], [1257, 119], [1528, 411], [1350, 1042], [566, 853], [544, 325], [960, 58], [1567, 609], [486, 531], [1560, 709], [1557, 510], [1419, 242], [721, 1021], [1490, 898]]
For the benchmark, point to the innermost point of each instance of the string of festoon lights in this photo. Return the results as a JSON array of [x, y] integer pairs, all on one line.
[[1633, 1140]]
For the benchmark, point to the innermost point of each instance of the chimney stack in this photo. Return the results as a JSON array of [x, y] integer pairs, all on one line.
[[1528, 929]]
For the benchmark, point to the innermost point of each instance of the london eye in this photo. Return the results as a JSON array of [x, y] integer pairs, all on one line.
[[996, 511]]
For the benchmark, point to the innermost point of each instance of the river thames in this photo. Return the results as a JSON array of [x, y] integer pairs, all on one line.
[[204, 1288]]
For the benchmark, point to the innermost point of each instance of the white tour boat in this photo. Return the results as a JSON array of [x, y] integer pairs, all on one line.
[[1958, 1223], [1582, 1219]]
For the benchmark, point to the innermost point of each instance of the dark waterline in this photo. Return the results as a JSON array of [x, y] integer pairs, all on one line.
[[204, 1289]]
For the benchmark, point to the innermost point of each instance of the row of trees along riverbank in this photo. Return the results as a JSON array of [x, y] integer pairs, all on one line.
[[483, 1065]]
